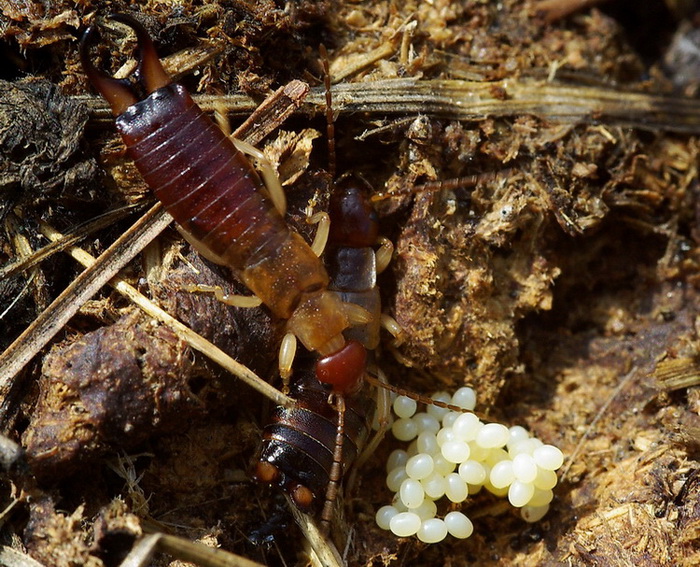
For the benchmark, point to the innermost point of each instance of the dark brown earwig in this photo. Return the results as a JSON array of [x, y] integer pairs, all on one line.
[[304, 452], [298, 445]]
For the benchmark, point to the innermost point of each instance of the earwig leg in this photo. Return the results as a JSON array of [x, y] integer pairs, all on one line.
[[392, 325], [227, 298], [324, 226], [356, 314], [381, 424], [384, 253], [402, 360], [221, 118], [269, 175], [336, 473], [288, 349]]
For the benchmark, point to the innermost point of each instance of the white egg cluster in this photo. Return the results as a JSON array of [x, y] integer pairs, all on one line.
[[454, 454]]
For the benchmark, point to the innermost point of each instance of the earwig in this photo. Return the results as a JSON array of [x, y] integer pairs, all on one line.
[[226, 211], [222, 206], [307, 433], [304, 452]]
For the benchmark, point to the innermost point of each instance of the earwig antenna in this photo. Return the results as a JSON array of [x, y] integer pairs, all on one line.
[[330, 122], [336, 473], [422, 399]]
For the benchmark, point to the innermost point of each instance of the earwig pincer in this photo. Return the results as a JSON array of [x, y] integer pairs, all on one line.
[[225, 210], [222, 206]]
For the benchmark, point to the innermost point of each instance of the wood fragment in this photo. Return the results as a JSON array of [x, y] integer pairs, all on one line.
[[554, 10], [184, 550], [80, 232], [676, 373], [12, 558], [273, 111]]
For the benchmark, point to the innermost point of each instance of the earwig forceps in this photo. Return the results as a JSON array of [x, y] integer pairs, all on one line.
[[148, 77]]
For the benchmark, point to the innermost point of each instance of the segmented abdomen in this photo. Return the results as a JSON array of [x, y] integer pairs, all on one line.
[[300, 441], [216, 196]]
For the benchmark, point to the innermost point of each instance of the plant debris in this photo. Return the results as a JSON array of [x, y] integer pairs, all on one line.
[[562, 286]]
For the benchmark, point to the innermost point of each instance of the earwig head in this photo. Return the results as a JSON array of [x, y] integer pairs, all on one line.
[[122, 93], [343, 370]]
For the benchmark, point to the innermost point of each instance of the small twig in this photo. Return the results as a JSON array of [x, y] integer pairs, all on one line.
[[273, 111], [184, 550], [554, 10], [365, 60], [80, 232], [193, 339], [12, 558], [322, 552]]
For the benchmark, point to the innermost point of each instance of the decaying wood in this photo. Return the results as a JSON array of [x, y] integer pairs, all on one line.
[[45, 327]]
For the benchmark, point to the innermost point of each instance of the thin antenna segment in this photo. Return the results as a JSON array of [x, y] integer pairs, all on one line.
[[330, 121]]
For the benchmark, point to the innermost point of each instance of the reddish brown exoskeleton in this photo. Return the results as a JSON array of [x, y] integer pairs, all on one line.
[[305, 451], [220, 203], [308, 449]]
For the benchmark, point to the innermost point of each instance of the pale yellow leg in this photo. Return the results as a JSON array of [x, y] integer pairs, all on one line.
[[227, 298], [384, 253], [324, 226], [269, 175], [221, 118], [288, 349], [392, 325], [356, 314], [382, 420]]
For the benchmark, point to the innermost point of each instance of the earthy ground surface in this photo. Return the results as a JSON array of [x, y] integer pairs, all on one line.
[[563, 287]]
